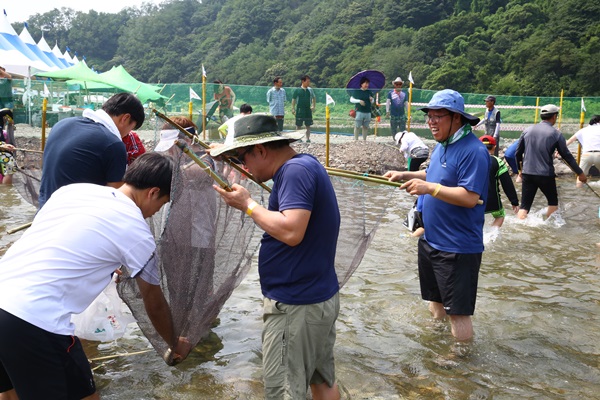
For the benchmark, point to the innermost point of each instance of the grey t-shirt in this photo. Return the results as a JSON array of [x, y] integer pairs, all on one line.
[[536, 150]]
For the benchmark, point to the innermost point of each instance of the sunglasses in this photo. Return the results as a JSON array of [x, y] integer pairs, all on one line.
[[241, 157]]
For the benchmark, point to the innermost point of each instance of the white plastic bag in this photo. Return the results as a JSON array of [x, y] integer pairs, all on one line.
[[104, 320]]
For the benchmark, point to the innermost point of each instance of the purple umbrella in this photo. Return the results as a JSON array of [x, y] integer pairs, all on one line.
[[376, 80]]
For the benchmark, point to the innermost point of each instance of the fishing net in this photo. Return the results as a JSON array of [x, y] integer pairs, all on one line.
[[28, 176], [205, 248], [362, 207]]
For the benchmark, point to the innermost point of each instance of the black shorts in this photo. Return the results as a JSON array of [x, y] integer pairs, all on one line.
[[449, 278], [304, 121], [40, 364], [530, 185]]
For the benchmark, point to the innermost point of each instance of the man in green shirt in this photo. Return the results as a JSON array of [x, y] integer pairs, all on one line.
[[303, 104]]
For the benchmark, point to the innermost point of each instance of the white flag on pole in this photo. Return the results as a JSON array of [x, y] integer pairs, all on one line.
[[583, 106], [194, 95], [410, 78], [329, 100], [203, 71], [46, 91]]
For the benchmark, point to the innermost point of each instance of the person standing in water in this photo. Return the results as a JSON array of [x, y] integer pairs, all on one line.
[[454, 189]]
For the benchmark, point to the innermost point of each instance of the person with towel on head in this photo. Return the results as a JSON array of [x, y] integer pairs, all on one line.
[[90, 149]]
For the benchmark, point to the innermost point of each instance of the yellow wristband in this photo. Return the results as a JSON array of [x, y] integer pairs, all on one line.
[[437, 190], [251, 207]]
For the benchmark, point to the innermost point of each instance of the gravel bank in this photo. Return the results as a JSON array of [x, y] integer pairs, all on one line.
[[376, 155]]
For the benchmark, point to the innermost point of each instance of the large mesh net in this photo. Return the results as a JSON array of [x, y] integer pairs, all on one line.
[[205, 248]]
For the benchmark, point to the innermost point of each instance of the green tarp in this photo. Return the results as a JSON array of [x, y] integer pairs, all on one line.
[[117, 77]]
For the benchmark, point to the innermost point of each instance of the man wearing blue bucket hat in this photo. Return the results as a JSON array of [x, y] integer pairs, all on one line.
[[454, 188]]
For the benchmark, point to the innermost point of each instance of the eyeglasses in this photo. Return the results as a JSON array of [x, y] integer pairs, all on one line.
[[397, 83], [241, 156], [435, 118]]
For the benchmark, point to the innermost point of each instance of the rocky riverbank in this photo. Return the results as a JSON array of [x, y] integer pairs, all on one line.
[[376, 155]]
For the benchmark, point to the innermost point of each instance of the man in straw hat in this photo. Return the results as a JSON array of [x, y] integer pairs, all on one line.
[[453, 215], [296, 259], [535, 158], [395, 107]]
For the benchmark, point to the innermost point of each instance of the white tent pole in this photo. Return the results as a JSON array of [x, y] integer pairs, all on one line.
[[29, 95]]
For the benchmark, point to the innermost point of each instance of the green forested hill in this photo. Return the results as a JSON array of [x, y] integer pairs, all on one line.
[[511, 47]]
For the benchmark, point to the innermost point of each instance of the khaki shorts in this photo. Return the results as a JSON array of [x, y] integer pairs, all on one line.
[[298, 347], [589, 159]]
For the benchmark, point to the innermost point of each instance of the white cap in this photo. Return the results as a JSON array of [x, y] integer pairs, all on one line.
[[167, 139], [549, 109], [398, 79]]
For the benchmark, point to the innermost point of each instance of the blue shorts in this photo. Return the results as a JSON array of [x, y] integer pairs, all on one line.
[[449, 278], [42, 365]]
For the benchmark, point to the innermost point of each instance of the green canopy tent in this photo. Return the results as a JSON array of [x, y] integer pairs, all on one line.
[[117, 78], [122, 79]]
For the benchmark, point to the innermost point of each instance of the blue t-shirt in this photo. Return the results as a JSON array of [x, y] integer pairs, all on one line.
[[302, 274], [80, 150], [396, 102], [455, 229]]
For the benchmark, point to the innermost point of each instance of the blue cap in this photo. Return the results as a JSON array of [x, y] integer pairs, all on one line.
[[452, 101]]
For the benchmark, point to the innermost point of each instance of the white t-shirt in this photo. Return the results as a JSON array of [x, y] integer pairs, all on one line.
[[589, 138], [65, 259], [410, 141]]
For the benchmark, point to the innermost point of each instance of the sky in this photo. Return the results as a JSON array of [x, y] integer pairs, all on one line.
[[21, 10]]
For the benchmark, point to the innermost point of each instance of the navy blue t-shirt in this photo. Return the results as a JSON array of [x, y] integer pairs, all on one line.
[[80, 150], [302, 274]]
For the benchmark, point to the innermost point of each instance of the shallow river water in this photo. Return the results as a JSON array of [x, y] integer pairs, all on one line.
[[537, 331]]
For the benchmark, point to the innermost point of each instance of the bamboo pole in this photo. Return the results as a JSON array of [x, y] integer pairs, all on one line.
[[377, 117], [203, 104], [327, 117], [29, 151], [44, 108], [19, 228], [364, 178], [410, 85], [355, 173], [195, 139], [184, 147], [119, 355], [562, 93], [581, 122]]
